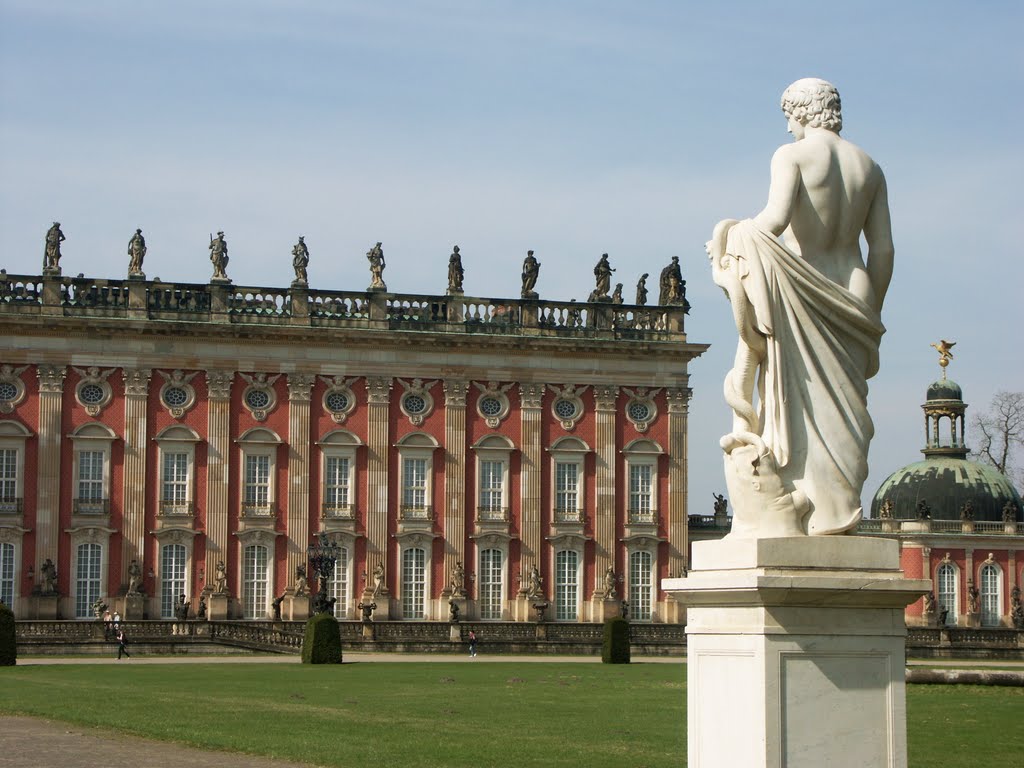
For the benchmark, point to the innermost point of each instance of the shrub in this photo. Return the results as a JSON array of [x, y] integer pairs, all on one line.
[[8, 641], [322, 643], [615, 649]]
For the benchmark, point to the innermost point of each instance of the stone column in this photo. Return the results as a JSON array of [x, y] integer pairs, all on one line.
[[678, 531], [377, 449], [51, 389], [218, 451], [133, 498], [299, 387], [604, 512], [454, 477], [531, 504]]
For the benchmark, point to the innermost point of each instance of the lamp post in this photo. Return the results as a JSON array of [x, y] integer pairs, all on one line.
[[323, 554]]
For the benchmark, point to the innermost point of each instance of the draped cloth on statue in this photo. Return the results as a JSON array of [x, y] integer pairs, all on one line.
[[822, 346]]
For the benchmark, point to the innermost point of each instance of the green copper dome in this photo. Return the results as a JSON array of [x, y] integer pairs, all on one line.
[[945, 389], [946, 484]]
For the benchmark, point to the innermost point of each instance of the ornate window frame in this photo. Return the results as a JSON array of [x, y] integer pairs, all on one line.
[[953, 618], [642, 452], [11, 376], [258, 441], [178, 379], [638, 399], [93, 436], [177, 439], [642, 546], [94, 377], [409, 541], [13, 435], [497, 449], [259, 382], [12, 534], [570, 451], [259, 538], [987, 616], [416, 445], [574, 544], [171, 536], [496, 392], [416, 389], [339, 385], [568, 394], [88, 534], [493, 541], [342, 444]]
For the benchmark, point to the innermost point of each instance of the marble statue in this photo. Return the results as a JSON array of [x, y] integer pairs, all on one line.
[[973, 597], [134, 577], [378, 580], [301, 583], [609, 583], [534, 583], [641, 290], [300, 260], [48, 573], [602, 279], [455, 271], [531, 269], [51, 255], [807, 307], [219, 256], [617, 294], [458, 582], [670, 284], [220, 579], [721, 503], [376, 258], [136, 253]]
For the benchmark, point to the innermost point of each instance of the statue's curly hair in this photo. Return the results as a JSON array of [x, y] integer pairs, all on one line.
[[814, 103]]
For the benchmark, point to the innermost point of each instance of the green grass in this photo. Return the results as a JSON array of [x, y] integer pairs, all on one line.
[[455, 714]]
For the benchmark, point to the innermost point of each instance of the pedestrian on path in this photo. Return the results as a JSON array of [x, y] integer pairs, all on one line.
[[472, 643], [122, 644]]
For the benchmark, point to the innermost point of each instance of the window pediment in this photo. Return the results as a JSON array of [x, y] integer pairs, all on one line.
[[94, 431], [14, 429], [259, 436], [178, 434], [340, 438]]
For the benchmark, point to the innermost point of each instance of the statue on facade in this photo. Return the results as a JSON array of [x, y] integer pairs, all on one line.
[[455, 271], [453, 611], [48, 576], [534, 584], [301, 587], [670, 284], [51, 254], [219, 256], [378, 580], [376, 258], [458, 582], [929, 604], [531, 269], [809, 303], [721, 503], [923, 511], [967, 513], [136, 253], [134, 578], [617, 294], [609, 583], [220, 579], [973, 597], [886, 510], [1009, 512], [367, 610], [201, 612], [574, 316], [276, 605], [300, 260], [182, 607], [641, 290], [1016, 608], [602, 279], [99, 607]]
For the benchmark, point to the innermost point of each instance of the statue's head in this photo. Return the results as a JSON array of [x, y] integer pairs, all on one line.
[[814, 103]]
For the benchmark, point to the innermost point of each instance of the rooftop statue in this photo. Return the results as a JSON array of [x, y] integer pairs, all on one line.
[[376, 258], [602, 279], [617, 294], [641, 290], [531, 268], [670, 284], [300, 260], [51, 254], [455, 271], [807, 306], [136, 253], [219, 256]]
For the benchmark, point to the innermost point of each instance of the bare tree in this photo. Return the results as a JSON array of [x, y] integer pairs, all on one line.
[[999, 433]]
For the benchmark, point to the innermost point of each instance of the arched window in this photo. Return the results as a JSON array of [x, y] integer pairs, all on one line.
[[88, 568], [489, 584], [946, 579], [255, 581], [641, 568], [172, 577], [990, 595], [567, 585], [7, 574], [414, 582], [339, 584]]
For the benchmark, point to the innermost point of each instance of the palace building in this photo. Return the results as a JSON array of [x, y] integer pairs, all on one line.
[[161, 439]]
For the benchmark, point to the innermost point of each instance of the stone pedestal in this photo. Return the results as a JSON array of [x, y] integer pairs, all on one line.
[[607, 608], [972, 620], [43, 607], [133, 607], [295, 608], [218, 607], [796, 652]]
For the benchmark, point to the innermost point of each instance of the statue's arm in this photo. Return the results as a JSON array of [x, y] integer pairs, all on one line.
[[781, 193], [878, 233]]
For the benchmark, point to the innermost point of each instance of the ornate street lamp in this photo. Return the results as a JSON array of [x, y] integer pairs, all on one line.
[[322, 556]]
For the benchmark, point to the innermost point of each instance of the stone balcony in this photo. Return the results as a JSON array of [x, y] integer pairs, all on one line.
[[90, 507], [11, 505]]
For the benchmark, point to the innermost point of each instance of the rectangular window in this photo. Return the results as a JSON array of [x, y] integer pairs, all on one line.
[[339, 584], [257, 480], [172, 578], [640, 582], [174, 491], [87, 577], [989, 596], [490, 584], [7, 574], [414, 583], [492, 486], [414, 479], [567, 477], [90, 476], [566, 585], [640, 497], [8, 475], [946, 596], [255, 582], [336, 490]]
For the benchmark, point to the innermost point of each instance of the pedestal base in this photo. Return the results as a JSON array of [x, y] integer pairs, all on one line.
[[295, 608], [605, 609], [43, 607], [218, 607], [796, 652], [133, 607]]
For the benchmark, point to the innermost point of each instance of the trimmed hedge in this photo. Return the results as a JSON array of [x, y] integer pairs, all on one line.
[[322, 643], [8, 640], [615, 649]]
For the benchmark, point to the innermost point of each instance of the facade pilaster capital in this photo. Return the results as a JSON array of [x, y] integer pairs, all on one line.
[[531, 396], [604, 398], [218, 384], [51, 378], [378, 389], [300, 385], [678, 399], [455, 392], [136, 381]]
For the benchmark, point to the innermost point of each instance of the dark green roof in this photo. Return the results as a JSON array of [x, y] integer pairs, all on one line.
[[945, 389], [946, 484]]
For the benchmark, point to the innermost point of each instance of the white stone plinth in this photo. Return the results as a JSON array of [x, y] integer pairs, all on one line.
[[796, 652]]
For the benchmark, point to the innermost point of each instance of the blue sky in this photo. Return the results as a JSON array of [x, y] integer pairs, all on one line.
[[570, 128]]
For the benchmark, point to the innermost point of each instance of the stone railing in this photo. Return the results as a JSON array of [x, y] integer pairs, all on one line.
[[90, 506], [710, 522], [409, 512], [175, 508], [569, 515], [875, 525], [137, 299], [262, 511], [642, 517], [492, 514], [338, 511]]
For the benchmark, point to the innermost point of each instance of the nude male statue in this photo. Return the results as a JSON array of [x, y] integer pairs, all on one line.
[[807, 309]]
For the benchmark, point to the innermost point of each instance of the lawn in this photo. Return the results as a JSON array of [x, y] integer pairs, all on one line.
[[455, 714]]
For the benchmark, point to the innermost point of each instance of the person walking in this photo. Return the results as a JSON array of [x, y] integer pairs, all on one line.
[[122, 644], [472, 643]]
